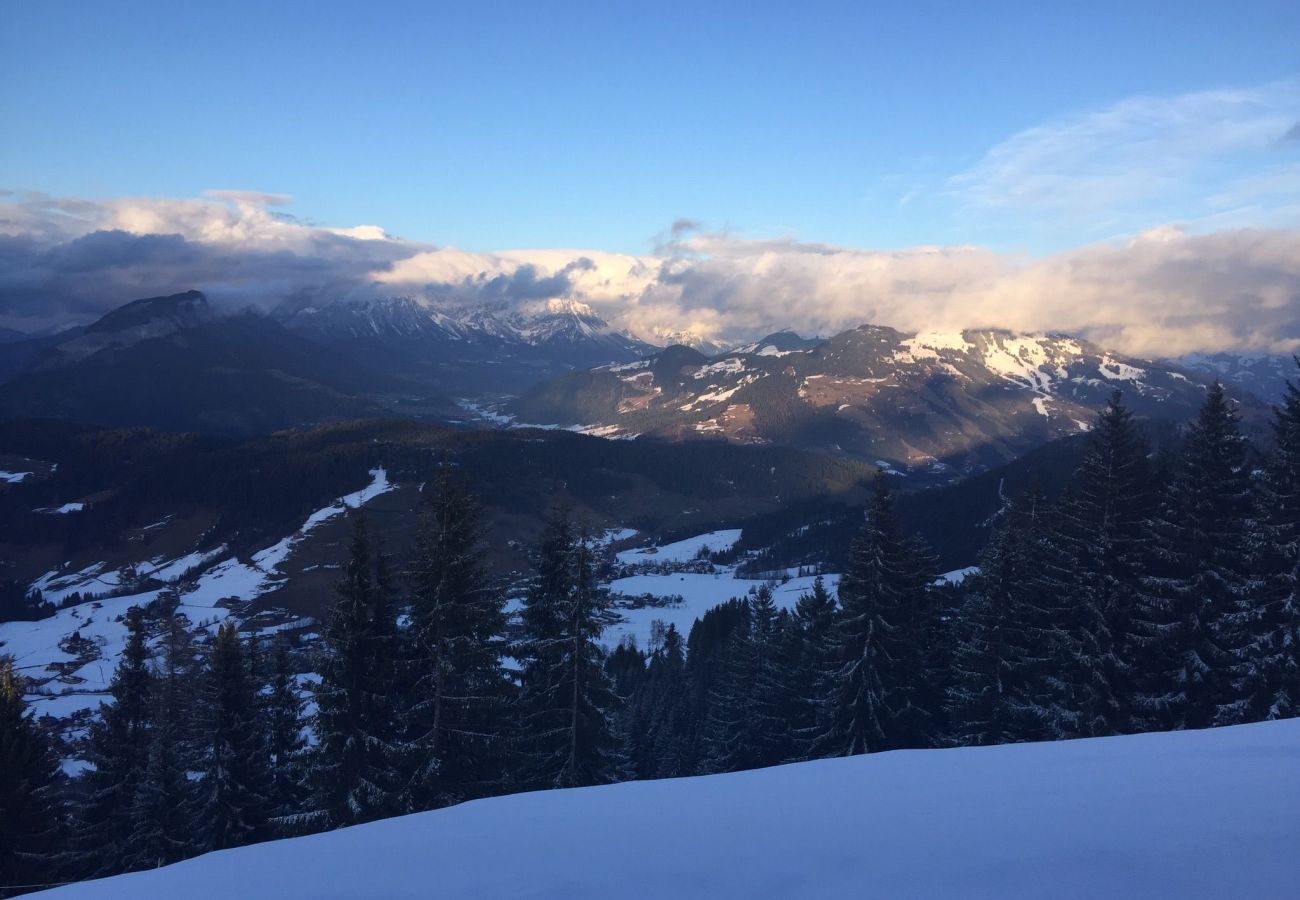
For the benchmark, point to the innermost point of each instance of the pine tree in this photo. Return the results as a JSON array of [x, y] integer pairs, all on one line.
[[284, 728], [29, 801], [1102, 548], [658, 742], [567, 703], [876, 699], [809, 665], [354, 775], [457, 726], [163, 814], [118, 751], [706, 659], [748, 723], [1192, 621], [234, 800], [1003, 638], [1273, 690]]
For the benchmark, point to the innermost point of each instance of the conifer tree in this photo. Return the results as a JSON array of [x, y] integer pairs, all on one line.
[[457, 727], [1003, 638], [234, 804], [671, 725], [1193, 618], [118, 751], [706, 659], [284, 728], [567, 702], [29, 801], [749, 722], [876, 697], [1273, 688], [658, 741], [1102, 552], [163, 813], [354, 775], [808, 666]]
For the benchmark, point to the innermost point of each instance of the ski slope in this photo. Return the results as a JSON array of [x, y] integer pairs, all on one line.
[[1209, 814]]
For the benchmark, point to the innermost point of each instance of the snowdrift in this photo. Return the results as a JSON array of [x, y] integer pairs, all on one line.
[[1194, 814]]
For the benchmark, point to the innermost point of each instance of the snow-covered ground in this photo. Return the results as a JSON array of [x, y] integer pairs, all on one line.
[[681, 551], [38, 646], [699, 593], [1201, 814]]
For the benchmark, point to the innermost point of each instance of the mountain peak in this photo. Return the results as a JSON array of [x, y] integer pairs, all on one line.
[[184, 310]]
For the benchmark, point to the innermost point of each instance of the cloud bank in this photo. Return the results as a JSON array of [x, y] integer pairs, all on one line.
[[1167, 291]]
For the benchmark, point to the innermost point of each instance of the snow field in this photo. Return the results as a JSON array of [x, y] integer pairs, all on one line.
[[1200, 814]]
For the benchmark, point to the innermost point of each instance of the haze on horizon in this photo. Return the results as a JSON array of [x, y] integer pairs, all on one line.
[[1132, 176]]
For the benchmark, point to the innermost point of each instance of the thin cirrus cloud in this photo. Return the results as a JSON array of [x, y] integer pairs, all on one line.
[[1197, 158], [1221, 166]]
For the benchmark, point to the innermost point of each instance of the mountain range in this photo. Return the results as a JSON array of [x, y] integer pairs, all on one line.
[[934, 405], [916, 403], [465, 352]]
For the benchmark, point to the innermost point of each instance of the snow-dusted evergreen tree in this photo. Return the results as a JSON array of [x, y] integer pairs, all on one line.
[[354, 776], [808, 664], [566, 704], [1193, 619], [29, 801], [163, 815], [1004, 638], [875, 695], [457, 722], [1102, 552], [657, 732], [118, 750], [1273, 688], [234, 793], [284, 729], [747, 724]]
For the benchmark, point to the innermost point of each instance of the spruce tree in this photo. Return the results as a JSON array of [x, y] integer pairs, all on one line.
[[567, 703], [354, 776], [234, 803], [1192, 622], [1003, 638], [1273, 687], [876, 698], [285, 741], [29, 801], [118, 751], [164, 815], [457, 728], [749, 721], [808, 659], [658, 741], [1102, 553]]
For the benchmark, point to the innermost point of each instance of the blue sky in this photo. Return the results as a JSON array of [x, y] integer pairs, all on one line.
[[498, 125]]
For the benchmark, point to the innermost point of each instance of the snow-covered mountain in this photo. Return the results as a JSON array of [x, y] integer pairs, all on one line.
[[946, 402], [1263, 374], [466, 351], [1193, 814]]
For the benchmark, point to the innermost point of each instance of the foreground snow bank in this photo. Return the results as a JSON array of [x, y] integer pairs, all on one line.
[[1193, 814]]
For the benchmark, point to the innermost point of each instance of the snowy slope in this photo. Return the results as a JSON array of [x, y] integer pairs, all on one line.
[[699, 593], [926, 405], [1194, 814], [682, 551], [71, 675]]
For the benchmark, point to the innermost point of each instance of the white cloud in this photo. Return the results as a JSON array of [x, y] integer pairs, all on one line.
[[1166, 291], [1142, 160]]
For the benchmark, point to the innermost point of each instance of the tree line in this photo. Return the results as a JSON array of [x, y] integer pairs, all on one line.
[[1156, 593]]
